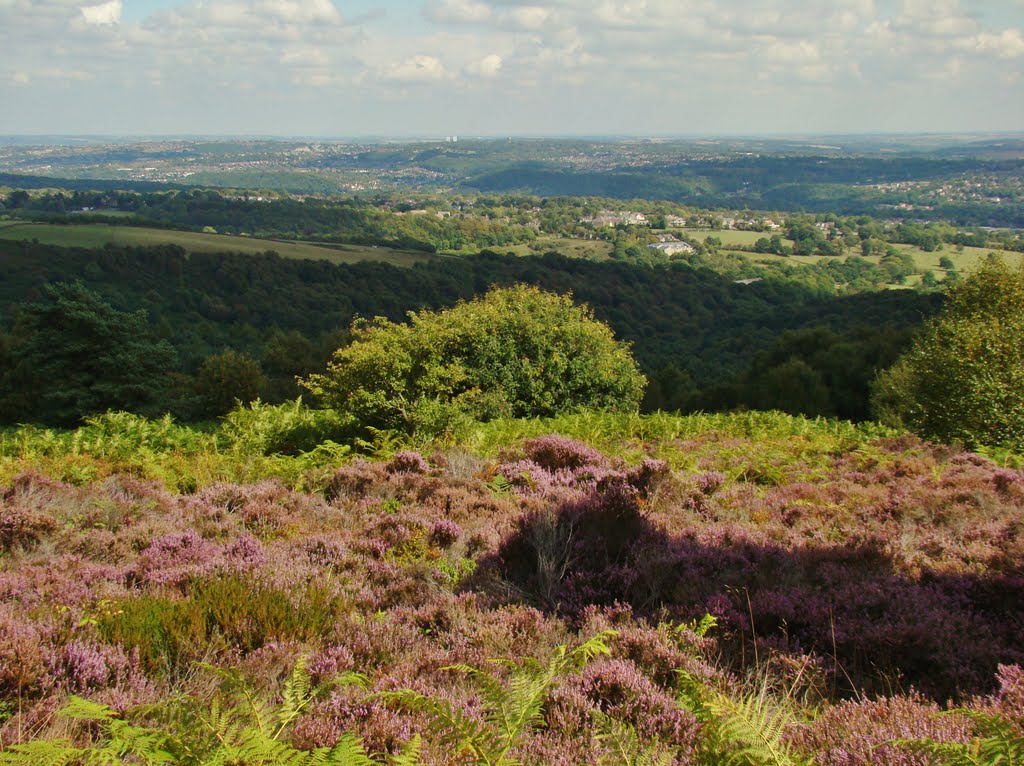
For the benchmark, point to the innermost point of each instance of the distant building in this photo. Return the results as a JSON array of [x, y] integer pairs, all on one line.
[[674, 248], [626, 218]]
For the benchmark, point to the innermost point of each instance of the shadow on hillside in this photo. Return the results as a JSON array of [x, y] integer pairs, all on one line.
[[870, 627]]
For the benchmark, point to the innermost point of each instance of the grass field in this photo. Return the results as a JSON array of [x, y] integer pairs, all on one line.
[[728, 236], [966, 259], [591, 249], [98, 235]]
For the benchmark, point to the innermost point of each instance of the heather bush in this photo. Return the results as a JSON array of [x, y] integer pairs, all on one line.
[[22, 655], [837, 564], [578, 554], [867, 732], [104, 672], [407, 462], [620, 689], [555, 453]]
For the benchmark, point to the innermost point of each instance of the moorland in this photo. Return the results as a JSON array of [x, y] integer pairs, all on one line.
[[499, 452]]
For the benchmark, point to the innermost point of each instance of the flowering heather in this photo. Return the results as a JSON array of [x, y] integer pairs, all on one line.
[[407, 462], [863, 733], [557, 453], [881, 576], [175, 558], [22, 655]]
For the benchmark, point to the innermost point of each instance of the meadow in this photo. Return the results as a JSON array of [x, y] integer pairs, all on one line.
[[98, 235], [598, 588], [966, 259]]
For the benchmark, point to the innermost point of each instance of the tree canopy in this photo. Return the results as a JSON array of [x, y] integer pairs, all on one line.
[[516, 352], [963, 378], [74, 355]]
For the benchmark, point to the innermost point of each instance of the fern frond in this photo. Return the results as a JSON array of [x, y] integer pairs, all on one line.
[[79, 709], [451, 723], [624, 747], [349, 751], [53, 752], [756, 727], [999, 743], [592, 648], [296, 695], [122, 740], [410, 755], [750, 731], [512, 707]]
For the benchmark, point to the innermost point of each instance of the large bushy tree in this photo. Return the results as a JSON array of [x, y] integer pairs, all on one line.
[[73, 354], [963, 378], [516, 352]]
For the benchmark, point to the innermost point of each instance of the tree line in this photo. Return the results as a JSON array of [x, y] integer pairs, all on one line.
[[243, 325]]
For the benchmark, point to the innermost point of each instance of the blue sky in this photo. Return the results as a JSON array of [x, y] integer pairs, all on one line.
[[500, 67]]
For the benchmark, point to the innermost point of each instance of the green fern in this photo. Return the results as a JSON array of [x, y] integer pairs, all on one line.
[[237, 728], [410, 755], [124, 742], [624, 748], [746, 732], [513, 707], [999, 743]]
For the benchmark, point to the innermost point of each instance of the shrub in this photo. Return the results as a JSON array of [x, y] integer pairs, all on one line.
[[963, 377], [280, 429], [516, 352]]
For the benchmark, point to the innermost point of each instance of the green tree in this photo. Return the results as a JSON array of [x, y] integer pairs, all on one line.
[[963, 377], [517, 352], [75, 355], [225, 378]]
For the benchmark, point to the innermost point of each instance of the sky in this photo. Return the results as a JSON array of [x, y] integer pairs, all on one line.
[[346, 68]]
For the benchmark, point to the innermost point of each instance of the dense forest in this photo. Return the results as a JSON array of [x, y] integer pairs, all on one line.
[[696, 334]]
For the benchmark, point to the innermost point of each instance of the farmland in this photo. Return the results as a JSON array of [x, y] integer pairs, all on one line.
[[966, 259], [98, 235]]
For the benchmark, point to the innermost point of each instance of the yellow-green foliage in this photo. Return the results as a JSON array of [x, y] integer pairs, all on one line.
[[515, 352], [748, 731], [248, 444], [220, 612], [963, 378]]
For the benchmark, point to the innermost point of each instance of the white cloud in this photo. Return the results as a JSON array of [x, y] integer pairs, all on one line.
[[103, 14], [302, 11], [527, 17], [305, 57], [1008, 44], [421, 68], [621, 13], [878, 60], [458, 12], [488, 66]]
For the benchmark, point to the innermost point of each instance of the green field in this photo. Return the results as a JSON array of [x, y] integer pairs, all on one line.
[[966, 258], [728, 236], [98, 235], [591, 249]]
